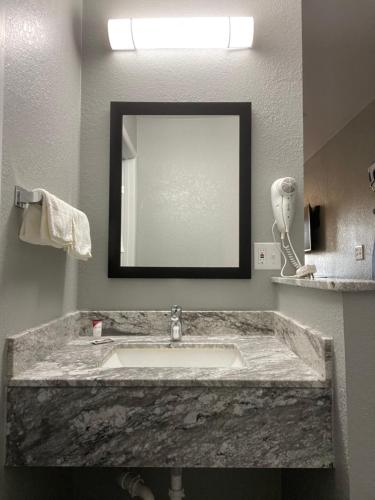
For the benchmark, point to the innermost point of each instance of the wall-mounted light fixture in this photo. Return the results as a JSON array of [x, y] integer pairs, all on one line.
[[181, 33]]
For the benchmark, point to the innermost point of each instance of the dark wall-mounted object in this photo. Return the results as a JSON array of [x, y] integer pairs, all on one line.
[[121, 109], [311, 227]]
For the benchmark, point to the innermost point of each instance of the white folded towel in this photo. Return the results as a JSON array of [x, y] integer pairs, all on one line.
[[57, 224]]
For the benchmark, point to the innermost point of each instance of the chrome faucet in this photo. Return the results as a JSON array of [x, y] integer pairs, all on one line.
[[176, 325]]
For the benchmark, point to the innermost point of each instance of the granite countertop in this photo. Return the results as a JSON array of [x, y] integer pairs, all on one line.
[[269, 363], [335, 284]]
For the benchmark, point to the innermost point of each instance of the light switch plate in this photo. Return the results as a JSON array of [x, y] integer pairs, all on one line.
[[359, 251], [267, 256]]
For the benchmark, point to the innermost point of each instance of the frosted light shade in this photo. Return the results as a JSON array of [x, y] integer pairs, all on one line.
[[181, 33], [241, 32], [120, 34]]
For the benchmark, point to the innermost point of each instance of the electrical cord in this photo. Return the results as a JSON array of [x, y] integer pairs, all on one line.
[[282, 253], [290, 253], [294, 252]]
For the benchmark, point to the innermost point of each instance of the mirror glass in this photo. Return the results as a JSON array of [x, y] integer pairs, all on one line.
[[180, 191]]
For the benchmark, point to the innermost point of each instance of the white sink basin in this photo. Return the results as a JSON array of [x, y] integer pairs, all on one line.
[[175, 356]]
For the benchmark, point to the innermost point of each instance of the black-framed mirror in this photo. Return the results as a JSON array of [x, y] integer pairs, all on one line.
[[180, 190]]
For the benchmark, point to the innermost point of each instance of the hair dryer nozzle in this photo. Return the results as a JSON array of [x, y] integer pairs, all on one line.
[[285, 185]]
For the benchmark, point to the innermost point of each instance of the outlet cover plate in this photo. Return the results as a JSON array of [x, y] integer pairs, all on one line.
[[359, 251], [267, 256]]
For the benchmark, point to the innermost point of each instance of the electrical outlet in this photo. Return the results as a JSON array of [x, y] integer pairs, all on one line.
[[359, 251], [267, 256]]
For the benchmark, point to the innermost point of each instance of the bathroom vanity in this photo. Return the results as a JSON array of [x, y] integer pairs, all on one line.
[[241, 389]]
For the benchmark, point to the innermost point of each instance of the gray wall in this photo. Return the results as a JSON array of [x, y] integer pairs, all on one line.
[[349, 319], [323, 310], [41, 140], [2, 334], [336, 178], [360, 374], [2, 54], [269, 75]]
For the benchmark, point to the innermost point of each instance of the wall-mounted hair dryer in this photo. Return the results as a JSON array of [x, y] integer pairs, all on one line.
[[283, 198], [283, 194]]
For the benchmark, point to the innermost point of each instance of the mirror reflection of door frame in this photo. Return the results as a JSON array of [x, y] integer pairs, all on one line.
[[129, 212], [128, 199], [121, 109]]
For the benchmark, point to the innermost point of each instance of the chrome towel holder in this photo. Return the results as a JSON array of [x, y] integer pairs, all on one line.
[[22, 197]]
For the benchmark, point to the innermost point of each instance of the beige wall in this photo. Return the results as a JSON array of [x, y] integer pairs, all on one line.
[[336, 178], [338, 66]]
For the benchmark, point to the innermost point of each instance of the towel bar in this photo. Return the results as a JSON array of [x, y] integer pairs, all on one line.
[[22, 197]]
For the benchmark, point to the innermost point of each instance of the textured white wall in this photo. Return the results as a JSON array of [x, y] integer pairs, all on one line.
[[41, 140], [40, 149], [269, 75], [187, 192]]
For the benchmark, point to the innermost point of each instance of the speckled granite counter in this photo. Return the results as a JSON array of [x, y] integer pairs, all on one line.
[[335, 284], [65, 409], [269, 362]]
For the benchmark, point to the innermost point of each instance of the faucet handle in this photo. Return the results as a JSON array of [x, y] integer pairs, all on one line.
[[176, 310]]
